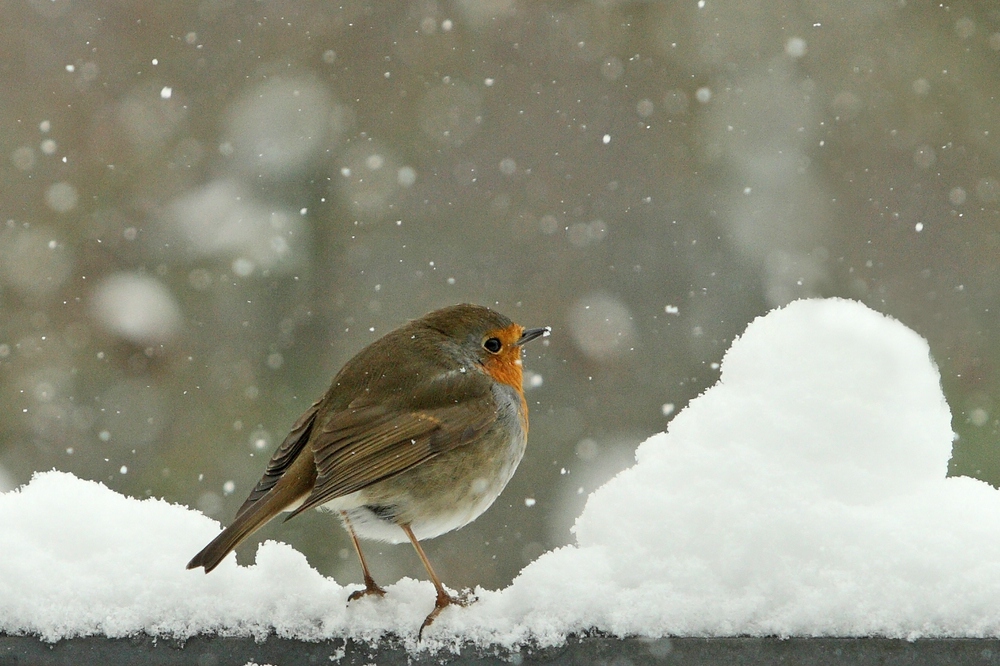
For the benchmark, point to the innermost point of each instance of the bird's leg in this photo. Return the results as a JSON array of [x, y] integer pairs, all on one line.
[[443, 598], [371, 587]]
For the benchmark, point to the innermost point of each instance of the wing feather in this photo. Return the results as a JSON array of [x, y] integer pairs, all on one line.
[[361, 446], [283, 456]]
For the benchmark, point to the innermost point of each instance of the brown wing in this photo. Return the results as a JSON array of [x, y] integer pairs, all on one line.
[[283, 456], [363, 445]]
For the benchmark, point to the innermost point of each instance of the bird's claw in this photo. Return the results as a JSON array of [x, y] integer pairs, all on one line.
[[463, 599], [371, 587]]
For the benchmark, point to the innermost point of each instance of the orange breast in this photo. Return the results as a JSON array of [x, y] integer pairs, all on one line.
[[506, 366]]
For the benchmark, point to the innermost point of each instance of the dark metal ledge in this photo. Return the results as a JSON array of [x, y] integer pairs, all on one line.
[[596, 650]]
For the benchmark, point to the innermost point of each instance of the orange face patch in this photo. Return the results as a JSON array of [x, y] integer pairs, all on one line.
[[505, 365]]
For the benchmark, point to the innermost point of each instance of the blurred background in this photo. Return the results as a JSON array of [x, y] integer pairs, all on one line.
[[208, 206]]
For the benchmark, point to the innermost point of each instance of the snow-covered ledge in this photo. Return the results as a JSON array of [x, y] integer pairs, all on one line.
[[804, 495], [592, 650]]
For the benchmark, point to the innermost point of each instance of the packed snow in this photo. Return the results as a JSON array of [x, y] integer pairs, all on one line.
[[802, 495]]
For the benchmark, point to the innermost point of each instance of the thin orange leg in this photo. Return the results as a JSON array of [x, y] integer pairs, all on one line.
[[371, 587], [443, 598]]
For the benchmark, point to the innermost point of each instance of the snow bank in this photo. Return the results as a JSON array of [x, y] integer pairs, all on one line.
[[804, 494]]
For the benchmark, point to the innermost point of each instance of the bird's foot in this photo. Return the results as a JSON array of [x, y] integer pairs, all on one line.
[[464, 598], [371, 587]]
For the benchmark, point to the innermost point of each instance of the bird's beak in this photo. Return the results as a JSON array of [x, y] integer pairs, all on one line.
[[532, 333]]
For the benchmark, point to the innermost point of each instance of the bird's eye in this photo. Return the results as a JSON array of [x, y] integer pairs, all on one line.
[[493, 345]]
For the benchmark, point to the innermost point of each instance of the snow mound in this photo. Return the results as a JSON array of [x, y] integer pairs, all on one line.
[[804, 494]]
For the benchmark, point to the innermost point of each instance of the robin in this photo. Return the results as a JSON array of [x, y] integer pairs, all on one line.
[[416, 436]]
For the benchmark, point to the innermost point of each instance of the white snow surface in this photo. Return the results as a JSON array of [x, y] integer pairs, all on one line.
[[802, 495]]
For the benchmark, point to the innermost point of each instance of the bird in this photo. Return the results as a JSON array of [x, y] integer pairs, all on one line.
[[416, 436]]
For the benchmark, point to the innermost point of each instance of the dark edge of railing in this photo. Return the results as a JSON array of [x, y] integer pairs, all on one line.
[[585, 650]]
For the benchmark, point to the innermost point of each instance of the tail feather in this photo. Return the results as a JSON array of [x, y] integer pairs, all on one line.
[[293, 487], [231, 537]]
